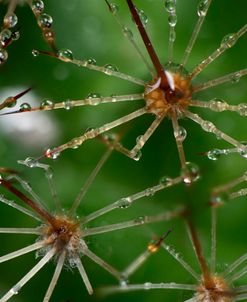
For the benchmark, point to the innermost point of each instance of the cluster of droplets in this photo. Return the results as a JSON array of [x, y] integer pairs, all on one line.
[[7, 35], [170, 6], [44, 21]]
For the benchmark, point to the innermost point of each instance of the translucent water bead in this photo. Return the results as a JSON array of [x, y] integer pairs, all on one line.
[[202, 8], [10, 20], [65, 55], [190, 173]]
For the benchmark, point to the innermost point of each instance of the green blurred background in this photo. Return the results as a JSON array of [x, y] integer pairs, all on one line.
[[89, 30]]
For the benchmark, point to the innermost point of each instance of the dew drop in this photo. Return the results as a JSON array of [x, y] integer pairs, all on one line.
[[219, 199], [235, 78], [172, 36], [140, 220], [10, 20], [65, 55], [3, 56], [37, 6], [124, 203], [165, 180], [109, 68], [242, 109], [91, 61], [170, 6], [147, 285], [114, 8], [10, 102], [138, 155], [180, 134], [68, 104], [25, 107], [5, 36], [214, 154], [128, 33], [74, 143], [15, 35], [35, 53], [217, 105], [114, 97], [202, 8], [229, 40], [149, 192], [190, 173], [142, 16], [208, 126], [46, 104], [139, 138], [30, 162], [172, 20], [15, 289], [45, 20], [110, 137]]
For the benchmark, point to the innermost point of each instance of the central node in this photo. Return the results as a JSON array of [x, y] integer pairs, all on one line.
[[161, 100]]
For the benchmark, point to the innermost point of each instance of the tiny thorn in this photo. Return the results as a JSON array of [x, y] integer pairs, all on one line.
[[47, 53], [19, 95], [153, 247], [109, 5]]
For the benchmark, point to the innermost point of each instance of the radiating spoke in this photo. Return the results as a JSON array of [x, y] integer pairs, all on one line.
[[84, 277], [34, 231]]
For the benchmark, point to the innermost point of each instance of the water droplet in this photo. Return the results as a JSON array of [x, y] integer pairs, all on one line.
[[15, 35], [110, 137], [74, 143], [46, 104], [114, 8], [142, 16], [128, 33], [170, 6], [49, 173], [123, 282], [140, 220], [235, 77], [165, 180], [10, 20], [229, 40], [190, 173], [214, 154], [219, 199], [15, 289], [139, 138], [48, 35], [45, 20], [25, 107], [65, 55], [124, 203], [30, 162], [35, 53], [172, 20], [110, 67], [242, 109], [172, 36], [5, 36], [91, 61], [138, 155], [202, 8], [114, 97], [217, 105], [208, 126], [37, 6], [180, 134], [94, 95], [68, 104], [149, 192], [147, 285], [3, 56], [52, 153]]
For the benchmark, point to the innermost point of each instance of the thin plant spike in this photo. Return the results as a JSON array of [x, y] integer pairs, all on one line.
[[25, 185], [210, 127], [213, 239], [152, 248], [33, 163], [102, 263], [84, 276], [33, 231], [240, 297], [131, 223], [240, 289], [234, 265], [194, 299], [172, 21], [23, 251], [14, 205], [233, 77], [134, 153], [239, 274], [16, 288], [107, 71], [178, 258], [125, 202], [202, 12], [220, 105], [179, 134], [128, 34], [55, 277], [90, 134], [91, 101], [149, 286], [227, 42], [89, 181], [242, 192]]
